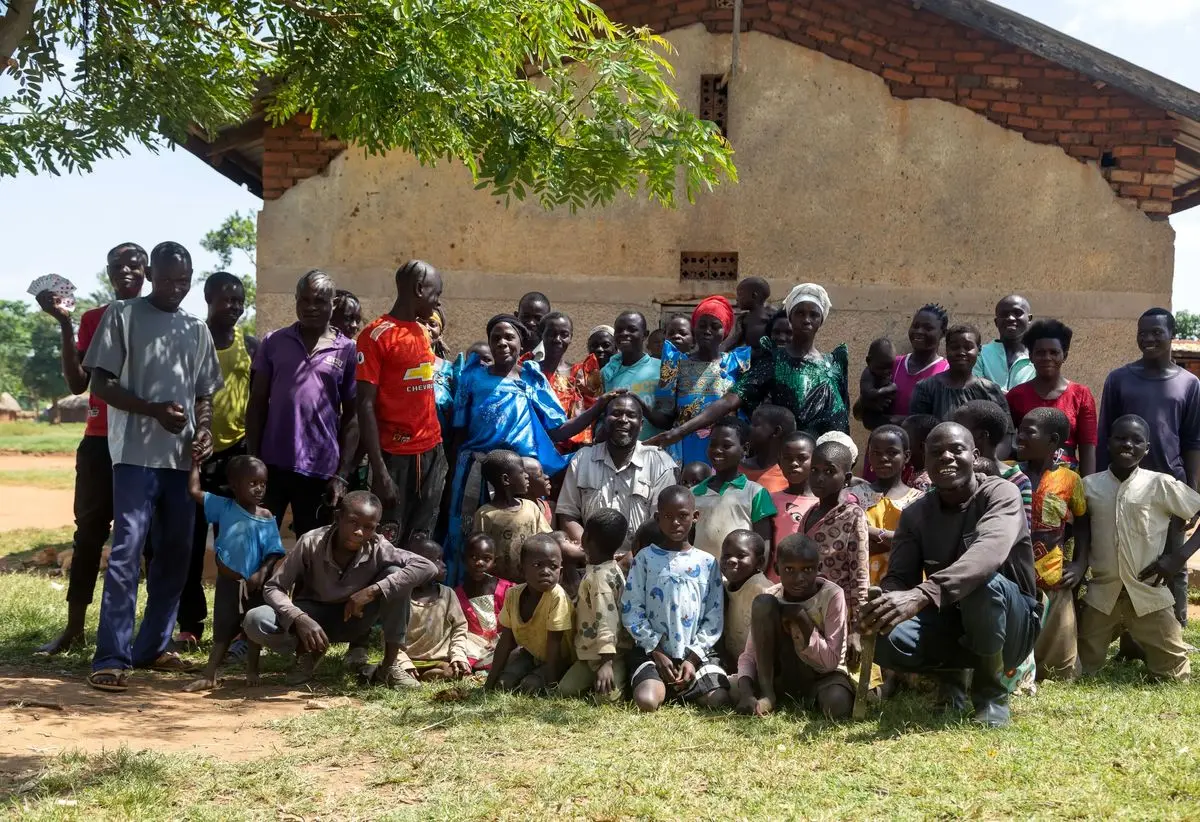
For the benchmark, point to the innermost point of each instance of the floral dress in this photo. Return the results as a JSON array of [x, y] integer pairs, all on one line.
[[686, 387]]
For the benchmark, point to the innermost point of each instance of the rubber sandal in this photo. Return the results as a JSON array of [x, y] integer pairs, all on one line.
[[118, 680], [171, 662]]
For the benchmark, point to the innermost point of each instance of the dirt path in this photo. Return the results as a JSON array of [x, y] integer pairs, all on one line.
[[155, 713], [22, 507]]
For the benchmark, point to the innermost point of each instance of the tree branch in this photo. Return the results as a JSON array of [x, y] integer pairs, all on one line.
[[13, 28]]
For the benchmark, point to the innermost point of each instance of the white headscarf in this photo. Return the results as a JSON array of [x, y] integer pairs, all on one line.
[[838, 436], [608, 329], [808, 293]]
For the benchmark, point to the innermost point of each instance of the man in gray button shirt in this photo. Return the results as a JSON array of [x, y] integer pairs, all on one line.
[[156, 368], [960, 591]]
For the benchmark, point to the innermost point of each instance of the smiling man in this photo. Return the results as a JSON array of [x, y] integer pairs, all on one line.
[[960, 592], [1168, 398], [621, 474]]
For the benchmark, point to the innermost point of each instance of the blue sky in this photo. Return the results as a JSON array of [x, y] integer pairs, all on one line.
[[65, 224]]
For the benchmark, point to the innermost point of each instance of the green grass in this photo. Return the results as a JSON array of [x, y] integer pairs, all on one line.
[[1115, 747], [54, 479], [23, 543], [24, 437]]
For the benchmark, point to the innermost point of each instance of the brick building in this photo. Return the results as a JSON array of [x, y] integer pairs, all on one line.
[[897, 152]]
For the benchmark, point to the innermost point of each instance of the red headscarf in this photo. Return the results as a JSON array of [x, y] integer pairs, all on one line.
[[715, 306]]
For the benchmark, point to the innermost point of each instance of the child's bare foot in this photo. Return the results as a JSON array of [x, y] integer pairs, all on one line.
[[763, 705], [65, 642], [201, 684]]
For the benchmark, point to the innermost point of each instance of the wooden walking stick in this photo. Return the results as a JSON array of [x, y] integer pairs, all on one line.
[[868, 660]]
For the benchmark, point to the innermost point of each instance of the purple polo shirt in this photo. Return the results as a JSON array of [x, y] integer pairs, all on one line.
[[304, 411]]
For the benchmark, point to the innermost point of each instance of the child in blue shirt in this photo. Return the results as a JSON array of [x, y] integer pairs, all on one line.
[[673, 608], [247, 548]]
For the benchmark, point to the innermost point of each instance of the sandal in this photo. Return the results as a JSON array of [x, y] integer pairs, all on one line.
[[171, 662], [114, 680], [186, 641]]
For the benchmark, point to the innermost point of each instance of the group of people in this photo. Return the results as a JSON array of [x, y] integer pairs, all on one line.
[[680, 514]]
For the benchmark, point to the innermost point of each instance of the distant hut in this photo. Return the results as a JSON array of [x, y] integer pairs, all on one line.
[[73, 408], [9, 407], [1186, 354]]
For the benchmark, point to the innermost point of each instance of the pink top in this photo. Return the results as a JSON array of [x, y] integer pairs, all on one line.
[[825, 649], [906, 382]]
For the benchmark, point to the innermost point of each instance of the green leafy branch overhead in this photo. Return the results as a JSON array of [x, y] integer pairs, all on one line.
[[539, 98]]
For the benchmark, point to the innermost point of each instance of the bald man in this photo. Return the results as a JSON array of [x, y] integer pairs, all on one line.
[[960, 592]]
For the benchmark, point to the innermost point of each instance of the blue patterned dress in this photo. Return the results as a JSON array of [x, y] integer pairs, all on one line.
[[686, 387], [497, 412]]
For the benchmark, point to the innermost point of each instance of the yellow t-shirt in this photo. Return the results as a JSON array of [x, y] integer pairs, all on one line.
[[885, 515], [553, 613], [229, 404], [510, 527]]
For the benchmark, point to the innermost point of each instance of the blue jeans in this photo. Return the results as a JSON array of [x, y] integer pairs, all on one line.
[[140, 496], [994, 617]]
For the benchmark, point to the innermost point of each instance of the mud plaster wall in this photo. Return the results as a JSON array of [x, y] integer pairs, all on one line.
[[889, 203]]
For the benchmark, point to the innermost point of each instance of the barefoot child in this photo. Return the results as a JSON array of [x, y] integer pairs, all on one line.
[[673, 607], [791, 504], [1059, 504], [601, 642], [247, 548], [728, 500], [535, 638], [839, 529], [1130, 510], [742, 556], [769, 425], [509, 518], [797, 644], [876, 386], [887, 454], [481, 597], [435, 646]]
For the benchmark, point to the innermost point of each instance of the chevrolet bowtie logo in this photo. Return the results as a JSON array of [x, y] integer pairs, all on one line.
[[422, 372]]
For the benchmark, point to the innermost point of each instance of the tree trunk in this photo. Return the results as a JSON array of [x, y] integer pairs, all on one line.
[[14, 25]]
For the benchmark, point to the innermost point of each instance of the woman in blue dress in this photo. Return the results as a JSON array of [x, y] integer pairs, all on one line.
[[507, 404], [690, 381]]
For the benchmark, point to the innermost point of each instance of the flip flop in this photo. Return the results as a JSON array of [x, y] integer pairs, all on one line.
[[114, 680], [172, 663]]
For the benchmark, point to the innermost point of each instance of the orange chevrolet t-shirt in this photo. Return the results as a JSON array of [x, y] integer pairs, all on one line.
[[97, 421], [395, 357]]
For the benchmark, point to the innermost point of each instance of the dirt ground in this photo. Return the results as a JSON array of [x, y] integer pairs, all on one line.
[[35, 507], [42, 716]]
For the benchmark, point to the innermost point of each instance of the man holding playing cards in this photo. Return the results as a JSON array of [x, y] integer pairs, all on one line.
[[126, 271]]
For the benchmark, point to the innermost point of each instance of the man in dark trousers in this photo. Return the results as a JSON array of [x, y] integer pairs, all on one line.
[[960, 593]]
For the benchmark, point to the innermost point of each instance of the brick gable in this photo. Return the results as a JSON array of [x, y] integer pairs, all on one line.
[[921, 54]]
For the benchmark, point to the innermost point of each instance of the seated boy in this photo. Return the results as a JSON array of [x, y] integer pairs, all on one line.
[[600, 640], [436, 644], [535, 636], [673, 608], [346, 578], [247, 548], [797, 644], [742, 556], [1130, 511], [509, 518], [728, 500]]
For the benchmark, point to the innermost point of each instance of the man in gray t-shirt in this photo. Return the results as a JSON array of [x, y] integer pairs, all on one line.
[[157, 369]]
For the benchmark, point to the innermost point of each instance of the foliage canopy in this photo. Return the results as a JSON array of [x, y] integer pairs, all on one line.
[[541, 98]]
